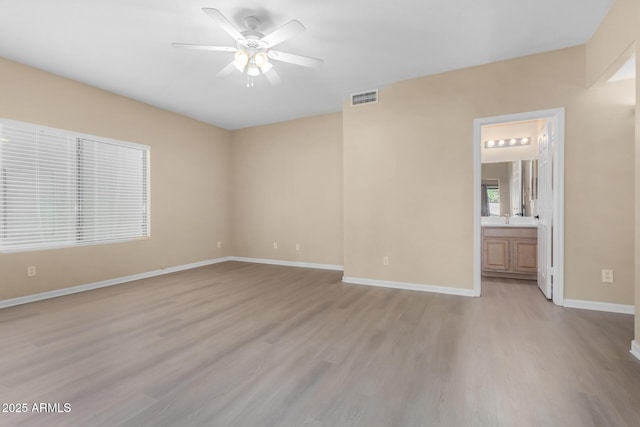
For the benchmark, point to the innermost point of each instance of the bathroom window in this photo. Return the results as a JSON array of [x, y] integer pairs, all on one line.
[[490, 198], [493, 196]]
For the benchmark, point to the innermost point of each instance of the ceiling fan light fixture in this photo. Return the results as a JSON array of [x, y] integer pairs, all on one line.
[[252, 51], [253, 70], [241, 59], [261, 59]]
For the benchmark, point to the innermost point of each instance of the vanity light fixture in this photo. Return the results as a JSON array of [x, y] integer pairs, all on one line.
[[513, 142]]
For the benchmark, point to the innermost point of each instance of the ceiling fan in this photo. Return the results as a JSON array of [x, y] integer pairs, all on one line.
[[253, 51]]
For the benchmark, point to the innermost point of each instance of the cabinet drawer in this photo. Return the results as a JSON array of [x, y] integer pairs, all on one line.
[[526, 232]]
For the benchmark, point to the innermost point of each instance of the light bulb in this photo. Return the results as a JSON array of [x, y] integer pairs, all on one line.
[[261, 59], [512, 142], [524, 141], [491, 143], [501, 143], [241, 58]]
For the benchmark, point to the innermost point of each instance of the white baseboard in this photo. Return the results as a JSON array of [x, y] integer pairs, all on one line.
[[288, 263], [599, 306], [635, 349], [104, 283], [409, 286]]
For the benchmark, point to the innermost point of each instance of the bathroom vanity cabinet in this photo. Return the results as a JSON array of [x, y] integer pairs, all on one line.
[[510, 252]]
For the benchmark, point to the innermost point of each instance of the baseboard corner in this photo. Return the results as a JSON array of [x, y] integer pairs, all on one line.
[[300, 264]]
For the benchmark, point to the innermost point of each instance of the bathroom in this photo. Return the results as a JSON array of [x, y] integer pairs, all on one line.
[[510, 200]]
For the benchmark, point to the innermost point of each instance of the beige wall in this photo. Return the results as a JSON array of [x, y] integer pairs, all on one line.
[[286, 187], [408, 186], [615, 40], [189, 182]]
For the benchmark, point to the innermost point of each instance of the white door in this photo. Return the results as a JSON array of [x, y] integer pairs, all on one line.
[[545, 204]]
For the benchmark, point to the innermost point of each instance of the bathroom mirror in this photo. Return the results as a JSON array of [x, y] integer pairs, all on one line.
[[509, 188]]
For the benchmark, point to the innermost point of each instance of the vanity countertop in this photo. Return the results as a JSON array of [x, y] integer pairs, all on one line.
[[512, 225]]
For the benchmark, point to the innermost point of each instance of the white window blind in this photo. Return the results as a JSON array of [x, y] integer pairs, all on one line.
[[59, 188]]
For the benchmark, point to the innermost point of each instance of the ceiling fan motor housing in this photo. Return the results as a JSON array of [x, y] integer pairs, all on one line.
[[252, 22]]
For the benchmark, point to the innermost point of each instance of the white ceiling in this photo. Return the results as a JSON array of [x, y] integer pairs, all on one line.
[[124, 46]]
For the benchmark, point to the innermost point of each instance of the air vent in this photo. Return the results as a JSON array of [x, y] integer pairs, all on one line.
[[364, 97]]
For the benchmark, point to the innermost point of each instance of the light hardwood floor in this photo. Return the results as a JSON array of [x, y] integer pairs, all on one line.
[[239, 344]]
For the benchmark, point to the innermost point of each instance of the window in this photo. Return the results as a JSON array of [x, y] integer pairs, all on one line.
[[493, 194], [490, 198], [60, 188]]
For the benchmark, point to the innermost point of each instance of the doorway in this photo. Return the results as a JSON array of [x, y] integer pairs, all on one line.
[[551, 235]]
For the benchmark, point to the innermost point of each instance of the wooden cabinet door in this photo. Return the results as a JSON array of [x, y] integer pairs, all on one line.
[[495, 254], [525, 254]]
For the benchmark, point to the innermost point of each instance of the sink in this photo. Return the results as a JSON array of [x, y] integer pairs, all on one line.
[[514, 221]]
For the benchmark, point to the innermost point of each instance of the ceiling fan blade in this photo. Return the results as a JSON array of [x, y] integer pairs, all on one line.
[[283, 33], [291, 58], [204, 47], [273, 77], [224, 23], [226, 71]]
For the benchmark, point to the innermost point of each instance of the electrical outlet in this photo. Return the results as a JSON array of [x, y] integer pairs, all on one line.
[[275, 245], [297, 246], [31, 271], [607, 276], [219, 244], [385, 260]]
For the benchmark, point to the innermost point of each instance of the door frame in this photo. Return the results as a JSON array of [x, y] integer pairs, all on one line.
[[557, 271]]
